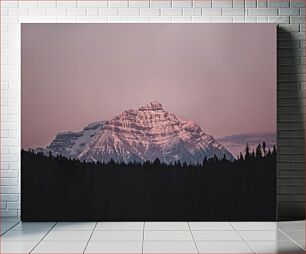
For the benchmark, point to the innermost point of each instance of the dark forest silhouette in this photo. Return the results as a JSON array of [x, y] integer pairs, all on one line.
[[55, 188]]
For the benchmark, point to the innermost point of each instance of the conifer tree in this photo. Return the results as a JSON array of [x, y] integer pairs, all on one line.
[[240, 157], [264, 148], [274, 151], [258, 151], [205, 161], [247, 152]]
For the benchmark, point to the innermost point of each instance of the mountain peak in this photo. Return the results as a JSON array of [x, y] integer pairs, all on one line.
[[154, 105], [140, 135]]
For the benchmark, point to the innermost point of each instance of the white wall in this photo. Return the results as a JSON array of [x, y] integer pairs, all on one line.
[[290, 14]]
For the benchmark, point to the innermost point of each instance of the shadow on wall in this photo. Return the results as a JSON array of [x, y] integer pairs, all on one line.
[[290, 129]]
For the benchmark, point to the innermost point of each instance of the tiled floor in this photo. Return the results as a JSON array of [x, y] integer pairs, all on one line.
[[152, 237]]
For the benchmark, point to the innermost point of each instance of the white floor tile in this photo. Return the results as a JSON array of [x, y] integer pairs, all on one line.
[[210, 225], [120, 226], [223, 247], [169, 247], [23, 236], [167, 236], [7, 225], [253, 225], [276, 247], [166, 226], [60, 247], [117, 236], [301, 243], [274, 235], [160, 237], [297, 236], [74, 226], [33, 226], [290, 225], [216, 236], [17, 247], [9, 220], [3, 230], [67, 236], [114, 247]]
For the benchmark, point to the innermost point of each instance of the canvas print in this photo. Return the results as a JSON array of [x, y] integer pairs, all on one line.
[[148, 122]]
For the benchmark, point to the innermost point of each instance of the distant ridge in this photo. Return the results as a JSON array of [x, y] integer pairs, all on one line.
[[236, 143]]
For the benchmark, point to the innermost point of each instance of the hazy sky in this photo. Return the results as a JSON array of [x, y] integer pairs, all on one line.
[[222, 76]]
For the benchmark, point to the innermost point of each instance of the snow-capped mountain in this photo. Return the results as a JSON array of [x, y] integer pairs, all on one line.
[[139, 135], [70, 144]]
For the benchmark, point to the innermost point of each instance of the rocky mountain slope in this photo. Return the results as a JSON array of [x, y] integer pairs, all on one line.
[[139, 135]]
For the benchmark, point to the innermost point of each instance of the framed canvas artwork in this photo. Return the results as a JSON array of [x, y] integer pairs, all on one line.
[[153, 122]]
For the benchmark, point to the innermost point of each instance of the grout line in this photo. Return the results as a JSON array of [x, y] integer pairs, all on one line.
[[290, 238], [121, 230], [157, 240], [90, 236], [273, 225], [246, 242], [10, 228], [42, 238], [232, 226], [143, 232], [227, 230], [193, 237], [157, 230]]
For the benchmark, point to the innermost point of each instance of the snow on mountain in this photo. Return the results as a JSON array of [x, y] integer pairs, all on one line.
[[138, 135], [69, 144], [237, 143], [149, 133]]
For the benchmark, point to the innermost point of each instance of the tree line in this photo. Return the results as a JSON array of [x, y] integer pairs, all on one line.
[[61, 189]]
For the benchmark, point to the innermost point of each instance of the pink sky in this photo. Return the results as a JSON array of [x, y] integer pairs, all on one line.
[[222, 76]]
